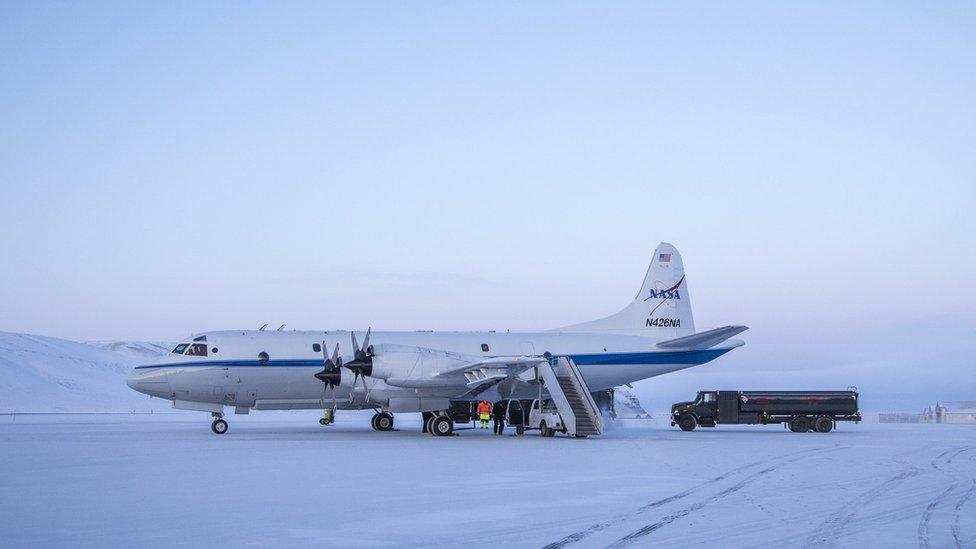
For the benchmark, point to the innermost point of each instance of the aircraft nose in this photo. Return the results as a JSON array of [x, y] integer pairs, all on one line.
[[148, 382], [132, 380]]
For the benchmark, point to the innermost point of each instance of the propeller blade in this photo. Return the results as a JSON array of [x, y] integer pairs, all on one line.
[[355, 381], [367, 390], [355, 344], [366, 339]]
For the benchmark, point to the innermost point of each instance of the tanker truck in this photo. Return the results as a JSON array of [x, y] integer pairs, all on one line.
[[800, 411]]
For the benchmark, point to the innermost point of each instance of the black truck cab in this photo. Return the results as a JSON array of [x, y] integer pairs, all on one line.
[[704, 409]]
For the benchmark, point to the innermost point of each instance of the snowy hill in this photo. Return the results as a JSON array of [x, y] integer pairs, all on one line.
[[46, 374]]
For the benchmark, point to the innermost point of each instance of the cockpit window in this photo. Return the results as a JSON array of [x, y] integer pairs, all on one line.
[[180, 348], [197, 349], [201, 338]]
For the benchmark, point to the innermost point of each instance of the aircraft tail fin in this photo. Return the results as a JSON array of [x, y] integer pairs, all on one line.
[[662, 308]]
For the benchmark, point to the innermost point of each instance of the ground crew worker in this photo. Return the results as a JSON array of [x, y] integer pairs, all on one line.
[[498, 414], [484, 413]]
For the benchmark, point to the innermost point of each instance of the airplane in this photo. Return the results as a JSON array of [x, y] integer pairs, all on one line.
[[425, 372]]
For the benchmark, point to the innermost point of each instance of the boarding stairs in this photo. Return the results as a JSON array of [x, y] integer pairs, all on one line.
[[572, 397]]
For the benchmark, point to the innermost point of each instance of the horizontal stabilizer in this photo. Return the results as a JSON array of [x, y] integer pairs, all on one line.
[[703, 340]]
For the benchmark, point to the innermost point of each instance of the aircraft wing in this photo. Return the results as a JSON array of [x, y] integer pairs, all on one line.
[[703, 340], [517, 363], [481, 375]]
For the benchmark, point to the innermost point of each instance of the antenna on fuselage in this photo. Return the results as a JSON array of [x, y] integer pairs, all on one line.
[[280, 328], [261, 329]]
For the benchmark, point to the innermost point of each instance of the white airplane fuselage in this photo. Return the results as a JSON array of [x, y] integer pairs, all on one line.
[[235, 373], [425, 371]]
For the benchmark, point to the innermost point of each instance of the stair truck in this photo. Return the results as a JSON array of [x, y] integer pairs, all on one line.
[[800, 411]]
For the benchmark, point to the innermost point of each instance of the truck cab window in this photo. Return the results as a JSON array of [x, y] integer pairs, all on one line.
[[708, 397]]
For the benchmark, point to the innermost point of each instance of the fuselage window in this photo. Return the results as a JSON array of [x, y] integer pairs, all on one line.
[[263, 357], [214, 350], [484, 347], [316, 347], [180, 348], [197, 349]]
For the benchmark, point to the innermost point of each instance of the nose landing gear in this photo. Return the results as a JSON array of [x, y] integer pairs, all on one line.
[[219, 426], [328, 417]]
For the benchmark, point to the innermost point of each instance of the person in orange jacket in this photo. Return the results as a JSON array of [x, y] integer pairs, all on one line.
[[484, 413]]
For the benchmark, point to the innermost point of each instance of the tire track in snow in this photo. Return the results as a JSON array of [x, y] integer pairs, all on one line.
[[957, 513], [944, 466], [661, 523], [830, 530], [603, 525], [653, 527]]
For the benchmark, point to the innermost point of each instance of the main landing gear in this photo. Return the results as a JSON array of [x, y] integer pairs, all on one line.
[[440, 425], [219, 426], [382, 421]]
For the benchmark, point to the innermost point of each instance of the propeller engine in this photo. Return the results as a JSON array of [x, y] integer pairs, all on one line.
[[362, 362], [331, 374], [361, 365]]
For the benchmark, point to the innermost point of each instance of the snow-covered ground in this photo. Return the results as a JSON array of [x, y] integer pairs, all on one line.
[[45, 374], [281, 479]]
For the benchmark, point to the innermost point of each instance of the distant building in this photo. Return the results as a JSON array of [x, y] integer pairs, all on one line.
[[944, 412]]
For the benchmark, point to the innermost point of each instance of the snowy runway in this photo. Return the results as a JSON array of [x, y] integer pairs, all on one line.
[[281, 479]]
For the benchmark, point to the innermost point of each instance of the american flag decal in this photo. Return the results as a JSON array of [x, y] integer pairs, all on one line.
[[664, 258]]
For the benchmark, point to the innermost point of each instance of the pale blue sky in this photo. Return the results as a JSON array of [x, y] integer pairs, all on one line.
[[169, 168]]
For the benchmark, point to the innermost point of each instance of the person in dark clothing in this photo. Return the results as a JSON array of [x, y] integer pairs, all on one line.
[[498, 414]]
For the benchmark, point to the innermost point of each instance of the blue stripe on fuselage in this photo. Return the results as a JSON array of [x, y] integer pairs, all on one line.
[[670, 357]]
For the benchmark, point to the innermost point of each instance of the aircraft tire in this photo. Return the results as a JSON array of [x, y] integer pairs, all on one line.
[[687, 422], [372, 422], [441, 426], [384, 421], [218, 426]]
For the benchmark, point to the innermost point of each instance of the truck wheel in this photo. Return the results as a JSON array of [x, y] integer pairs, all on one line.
[[800, 424], [543, 429], [687, 422], [823, 425]]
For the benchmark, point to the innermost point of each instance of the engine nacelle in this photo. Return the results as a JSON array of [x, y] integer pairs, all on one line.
[[404, 361]]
